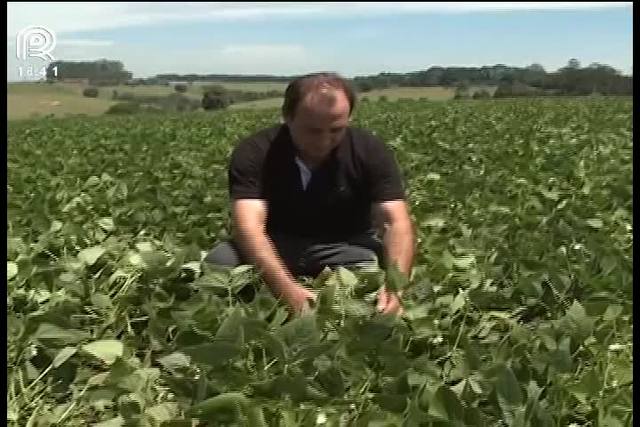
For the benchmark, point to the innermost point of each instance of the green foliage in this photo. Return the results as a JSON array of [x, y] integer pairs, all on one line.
[[175, 102], [570, 80], [481, 94], [462, 92], [90, 92], [212, 101], [518, 310], [124, 108], [217, 97], [516, 89], [180, 88]]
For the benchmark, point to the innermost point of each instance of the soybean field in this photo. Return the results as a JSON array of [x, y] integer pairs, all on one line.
[[518, 311]]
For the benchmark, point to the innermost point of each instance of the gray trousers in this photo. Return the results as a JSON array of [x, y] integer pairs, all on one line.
[[306, 257]]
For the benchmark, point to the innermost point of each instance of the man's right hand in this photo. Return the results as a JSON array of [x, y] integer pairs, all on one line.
[[298, 298]]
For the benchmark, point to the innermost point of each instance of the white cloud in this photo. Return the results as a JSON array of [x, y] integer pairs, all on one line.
[[84, 42], [65, 17], [262, 51]]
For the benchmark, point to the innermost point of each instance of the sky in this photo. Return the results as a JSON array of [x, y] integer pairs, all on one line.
[[349, 38]]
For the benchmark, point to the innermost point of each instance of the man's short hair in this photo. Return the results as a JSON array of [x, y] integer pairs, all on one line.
[[300, 87]]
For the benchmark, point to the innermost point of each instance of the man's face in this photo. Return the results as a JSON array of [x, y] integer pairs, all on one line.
[[319, 123]]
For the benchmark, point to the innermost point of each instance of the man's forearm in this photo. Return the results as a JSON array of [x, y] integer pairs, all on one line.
[[399, 246], [263, 254]]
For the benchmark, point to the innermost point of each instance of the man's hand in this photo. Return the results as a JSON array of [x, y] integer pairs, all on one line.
[[389, 302], [298, 298]]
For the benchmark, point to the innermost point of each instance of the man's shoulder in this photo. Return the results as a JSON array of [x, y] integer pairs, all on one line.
[[263, 137], [367, 145], [362, 135], [257, 144]]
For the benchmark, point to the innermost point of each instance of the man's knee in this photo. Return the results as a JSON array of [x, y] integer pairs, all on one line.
[[225, 254], [334, 255]]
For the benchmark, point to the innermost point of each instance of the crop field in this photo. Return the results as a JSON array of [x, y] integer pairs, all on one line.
[[518, 311]]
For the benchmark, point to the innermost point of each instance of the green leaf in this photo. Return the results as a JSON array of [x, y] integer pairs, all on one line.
[[130, 405], [346, 277], [611, 421], [63, 355], [163, 412], [391, 402], [92, 181], [594, 223], [612, 313], [193, 266], [209, 408], [106, 350], [175, 361], [508, 388], [241, 269], [56, 226], [144, 247], [12, 270], [214, 353], [434, 221], [47, 331], [101, 301], [589, 386], [231, 329], [301, 331], [106, 224], [458, 302], [358, 308], [579, 321], [90, 255], [445, 405], [464, 262], [395, 279], [113, 422]]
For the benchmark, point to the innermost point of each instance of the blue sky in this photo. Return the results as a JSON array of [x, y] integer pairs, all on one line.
[[350, 38]]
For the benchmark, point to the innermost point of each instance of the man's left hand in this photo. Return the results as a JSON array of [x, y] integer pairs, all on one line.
[[388, 302]]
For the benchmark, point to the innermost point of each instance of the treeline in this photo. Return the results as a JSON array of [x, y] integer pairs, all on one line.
[[227, 78], [511, 81], [98, 73], [570, 80], [213, 97], [226, 97]]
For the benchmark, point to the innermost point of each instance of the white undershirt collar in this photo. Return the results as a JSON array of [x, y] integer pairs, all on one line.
[[305, 173]]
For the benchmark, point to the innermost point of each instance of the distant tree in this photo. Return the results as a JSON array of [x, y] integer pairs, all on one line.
[[536, 68], [213, 101], [462, 91], [90, 92], [365, 86], [180, 88], [515, 89], [124, 108], [573, 64], [217, 90], [481, 94]]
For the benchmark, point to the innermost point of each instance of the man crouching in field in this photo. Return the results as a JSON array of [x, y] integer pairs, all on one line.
[[305, 192]]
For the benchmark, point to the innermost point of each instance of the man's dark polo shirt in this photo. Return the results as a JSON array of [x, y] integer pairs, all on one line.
[[337, 201]]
